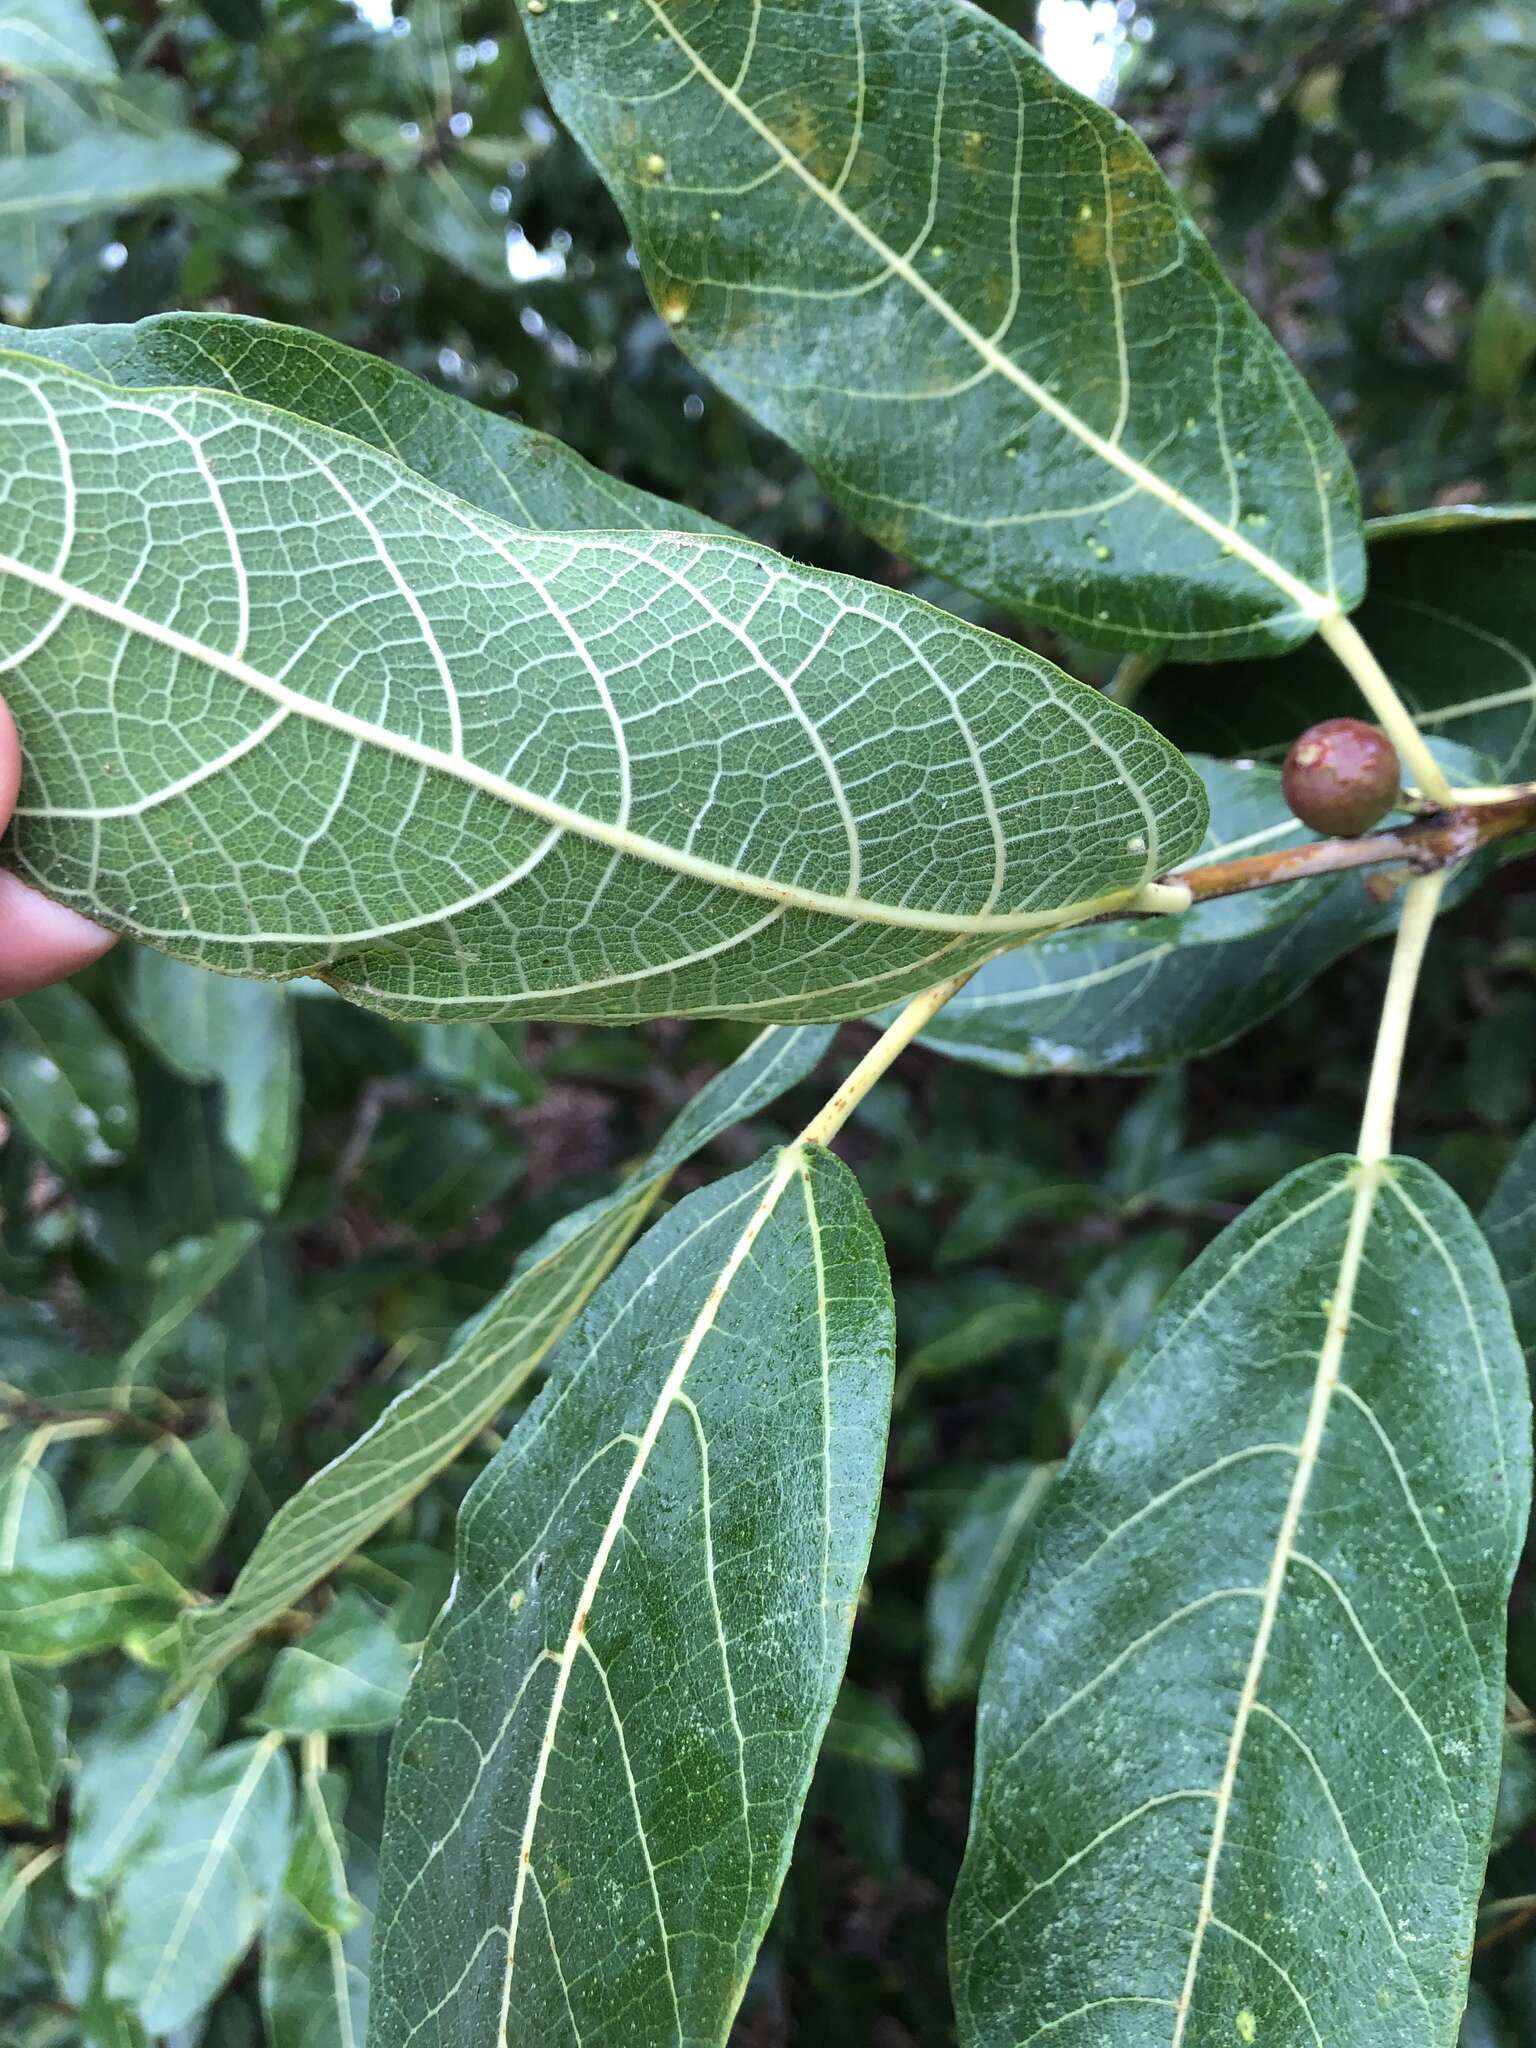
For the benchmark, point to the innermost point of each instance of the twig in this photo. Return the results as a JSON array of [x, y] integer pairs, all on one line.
[[1425, 846]]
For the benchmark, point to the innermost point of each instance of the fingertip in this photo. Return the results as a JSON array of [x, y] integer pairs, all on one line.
[[10, 764], [42, 941]]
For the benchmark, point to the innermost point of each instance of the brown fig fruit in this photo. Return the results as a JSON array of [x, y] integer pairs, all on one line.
[[1341, 777]]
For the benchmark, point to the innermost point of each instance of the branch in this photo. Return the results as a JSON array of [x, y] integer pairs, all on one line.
[[1427, 845]]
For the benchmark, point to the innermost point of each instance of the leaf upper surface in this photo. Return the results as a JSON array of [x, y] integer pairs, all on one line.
[[1510, 1223], [969, 297], [1243, 1719], [1450, 612], [656, 1581], [424, 1428], [291, 709]]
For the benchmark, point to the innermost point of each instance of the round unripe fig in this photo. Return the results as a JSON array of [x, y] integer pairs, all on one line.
[[1341, 777]]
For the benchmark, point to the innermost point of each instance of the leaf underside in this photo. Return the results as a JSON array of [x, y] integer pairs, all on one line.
[[968, 296], [1240, 1732], [656, 1581], [292, 710], [528, 478]]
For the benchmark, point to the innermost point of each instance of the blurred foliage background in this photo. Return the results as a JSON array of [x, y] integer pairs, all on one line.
[[1367, 172]]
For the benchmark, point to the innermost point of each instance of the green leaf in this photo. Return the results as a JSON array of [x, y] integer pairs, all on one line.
[[316, 1877], [967, 295], [65, 1079], [1509, 1221], [54, 39], [866, 1729], [208, 1027], [348, 1676], [88, 1593], [1450, 612], [428, 839], [529, 479], [197, 1890], [1141, 994], [105, 171], [181, 1489], [34, 1713], [137, 1757], [603, 1757], [483, 1059], [1105, 1321], [314, 1983], [314, 1952], [425, 1428], [34, 1707], [955, 1326], [975, 1575], [1243, 1718], [1401, 201], [182, 1277]]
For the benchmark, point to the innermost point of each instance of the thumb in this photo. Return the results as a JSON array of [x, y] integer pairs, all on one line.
[[40, 941]]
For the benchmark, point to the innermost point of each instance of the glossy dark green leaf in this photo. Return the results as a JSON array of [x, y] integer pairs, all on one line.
[[1451, 613], [426, 1427], [975, 1575], [1243, 1718], [86, 1593], [647, 1634], [967, 295], [1510, 1223], [701, 798], [530, 479], [211, 1027], [66, 1081], [197, 1889], [347, 1676]]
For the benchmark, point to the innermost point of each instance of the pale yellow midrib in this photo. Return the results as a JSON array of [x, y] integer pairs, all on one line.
[[859, 909], [1368, 1177], [791, 1161], [1312, 604]]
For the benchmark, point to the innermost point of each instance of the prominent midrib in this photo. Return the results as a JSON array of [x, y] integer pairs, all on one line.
[[218, 1843], [1313, 604], [791, 1161], [858, 909], [1368, 1182]]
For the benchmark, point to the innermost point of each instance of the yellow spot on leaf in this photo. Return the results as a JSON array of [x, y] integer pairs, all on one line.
[[674, 310], [655, 165], [1247, 2025]]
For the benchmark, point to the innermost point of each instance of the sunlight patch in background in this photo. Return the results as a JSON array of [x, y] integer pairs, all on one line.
[[1091, 43]]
